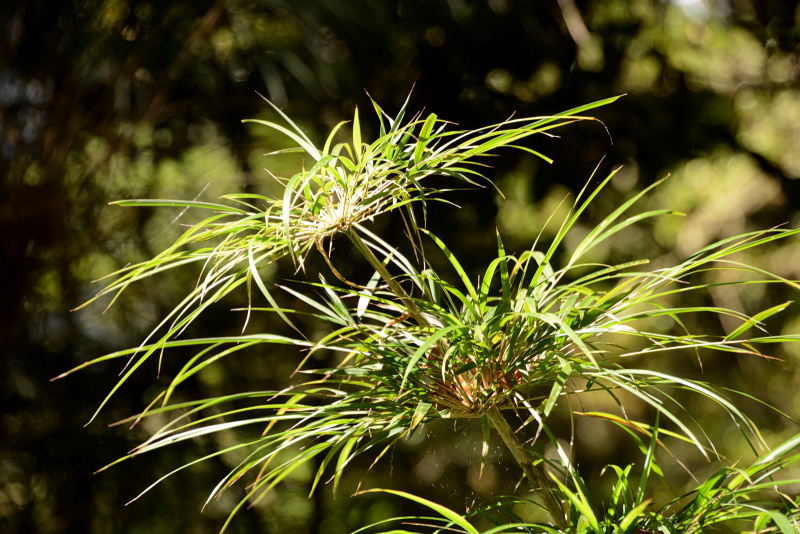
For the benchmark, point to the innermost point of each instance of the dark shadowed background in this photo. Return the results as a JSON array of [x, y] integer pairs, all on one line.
[[111, 99]]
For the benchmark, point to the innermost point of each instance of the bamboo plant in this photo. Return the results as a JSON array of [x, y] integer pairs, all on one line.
[[414, 347]]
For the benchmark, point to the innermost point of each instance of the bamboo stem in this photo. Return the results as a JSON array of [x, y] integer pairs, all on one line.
[[538, 480], [396, 288]]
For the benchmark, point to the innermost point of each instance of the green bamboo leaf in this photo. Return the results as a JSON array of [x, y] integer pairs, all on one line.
[[340, 442], [470, 312], [339, 307], [756, 319], [598, 234], [380, 113], [776, 453], [544, 273], [421, 351], [419, 414], [356, 137], [762, 520], [580, 109], [707, 491], [187, 465], [291, 123], [621, 489], [568, 223], [286, 214], [558, 385], [301, 139], [488, 277], [580, 503], [455, 263], [740, 243], [783, 523], [398, 120], [344, 457], [787, 338], [531, 151], [424, 134], [263, 288], [328, 313], [633, 515], [190, 369], [657, 404], [267, 483], [366, 296], [501, 253], [177, 203], [452, 516], [642, 428], [629, 222], [649, 461], [290, 150], [469, 366], [329, 140]]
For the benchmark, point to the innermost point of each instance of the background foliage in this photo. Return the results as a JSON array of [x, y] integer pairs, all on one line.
[[103, 100]]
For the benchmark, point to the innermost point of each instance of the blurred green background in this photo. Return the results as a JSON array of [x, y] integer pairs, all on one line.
[[111, 99]]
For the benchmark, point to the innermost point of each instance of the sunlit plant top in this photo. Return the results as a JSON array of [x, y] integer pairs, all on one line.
[[414, 347]]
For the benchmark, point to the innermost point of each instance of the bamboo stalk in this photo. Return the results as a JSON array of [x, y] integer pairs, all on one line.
[[396, 288], [538, 480]]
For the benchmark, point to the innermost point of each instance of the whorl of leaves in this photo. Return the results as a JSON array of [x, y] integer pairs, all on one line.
[[529, 337]]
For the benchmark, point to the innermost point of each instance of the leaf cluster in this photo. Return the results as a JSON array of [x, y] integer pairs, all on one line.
[[528, 338]]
